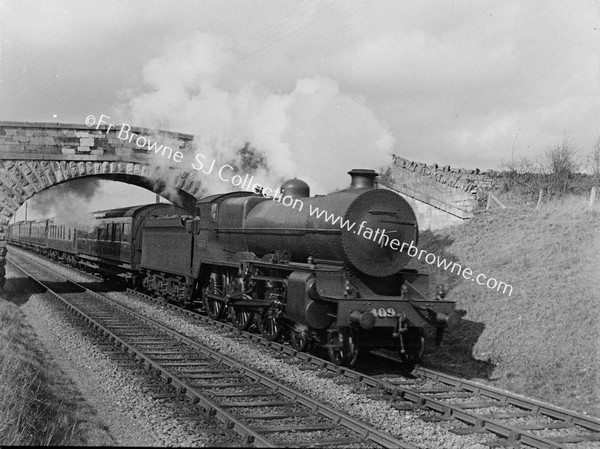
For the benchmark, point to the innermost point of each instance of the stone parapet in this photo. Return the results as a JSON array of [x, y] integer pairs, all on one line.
[[472, 181]]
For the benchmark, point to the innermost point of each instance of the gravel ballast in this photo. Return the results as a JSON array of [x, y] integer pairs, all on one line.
[[132, 416]]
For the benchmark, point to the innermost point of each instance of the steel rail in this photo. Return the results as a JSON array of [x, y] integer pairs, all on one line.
[[367, 433], [448, 411], [77, 270], [531, 405], [227, 419]]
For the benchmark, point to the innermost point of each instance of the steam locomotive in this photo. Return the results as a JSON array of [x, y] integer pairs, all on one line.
[[291, 265]]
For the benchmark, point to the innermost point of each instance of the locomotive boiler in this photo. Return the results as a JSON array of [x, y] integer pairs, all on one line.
[[325, 270]]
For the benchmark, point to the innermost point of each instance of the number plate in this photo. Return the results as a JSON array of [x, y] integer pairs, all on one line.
[[384, 313]]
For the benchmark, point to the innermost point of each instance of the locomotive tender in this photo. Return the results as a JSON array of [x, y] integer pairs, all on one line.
[[284, 269]]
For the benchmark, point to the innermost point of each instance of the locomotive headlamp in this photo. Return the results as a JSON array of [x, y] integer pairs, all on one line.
[[366, 320]]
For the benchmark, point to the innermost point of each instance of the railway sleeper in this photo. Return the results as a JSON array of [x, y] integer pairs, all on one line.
[[258, 404], [295, 428], [328, 442]]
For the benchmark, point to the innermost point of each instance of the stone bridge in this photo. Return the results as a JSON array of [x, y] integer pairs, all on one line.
[[36, 156]]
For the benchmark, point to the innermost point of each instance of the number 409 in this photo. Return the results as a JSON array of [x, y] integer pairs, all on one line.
[[384, 313]]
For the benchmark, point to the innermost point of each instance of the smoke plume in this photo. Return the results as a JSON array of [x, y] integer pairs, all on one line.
[[314, 131], [69, 202]]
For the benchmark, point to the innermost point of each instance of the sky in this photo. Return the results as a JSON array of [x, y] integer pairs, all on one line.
[[317, 87]]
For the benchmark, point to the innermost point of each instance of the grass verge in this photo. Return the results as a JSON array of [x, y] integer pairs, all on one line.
[[31, 409], [544, 339]]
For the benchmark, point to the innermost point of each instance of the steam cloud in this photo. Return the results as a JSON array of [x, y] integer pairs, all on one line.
[[68, 202], [314, 132]]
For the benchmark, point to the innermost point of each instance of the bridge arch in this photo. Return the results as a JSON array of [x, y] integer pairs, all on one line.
[[37, 156]]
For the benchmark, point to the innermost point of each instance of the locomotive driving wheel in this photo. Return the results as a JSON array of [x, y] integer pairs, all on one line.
[[299, 338], [341, 346], [214, 308], [240, 316], [268, 323]]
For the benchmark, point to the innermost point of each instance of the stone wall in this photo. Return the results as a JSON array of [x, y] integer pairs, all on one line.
[[431, 218], [440, 196], [432, 214], [472, 181]]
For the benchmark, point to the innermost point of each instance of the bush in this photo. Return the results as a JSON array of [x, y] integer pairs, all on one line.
[[554, 173]]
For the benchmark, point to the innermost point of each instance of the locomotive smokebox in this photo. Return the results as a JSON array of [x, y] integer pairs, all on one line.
[[362, 178]]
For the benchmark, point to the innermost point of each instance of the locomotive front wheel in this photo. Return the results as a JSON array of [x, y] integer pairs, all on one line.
[[341, 346], [240, 316], [269, 325]]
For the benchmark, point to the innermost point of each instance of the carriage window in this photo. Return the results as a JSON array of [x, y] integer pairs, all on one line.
[[69, 235], [126, 231], [117, 231], [109, 231], [213, 212]]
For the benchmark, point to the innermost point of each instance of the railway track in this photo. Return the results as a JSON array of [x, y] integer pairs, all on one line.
[[242, 399], [514, 420], [483, 409]]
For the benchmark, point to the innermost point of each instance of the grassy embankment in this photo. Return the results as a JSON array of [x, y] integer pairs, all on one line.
[[544, 339], [31, 411]]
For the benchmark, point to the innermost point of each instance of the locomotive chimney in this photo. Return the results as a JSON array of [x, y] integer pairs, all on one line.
[[362, 178]]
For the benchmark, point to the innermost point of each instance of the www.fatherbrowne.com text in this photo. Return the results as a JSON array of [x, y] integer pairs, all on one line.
[[381, 238]]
